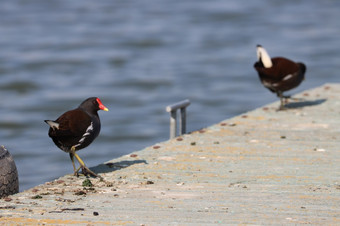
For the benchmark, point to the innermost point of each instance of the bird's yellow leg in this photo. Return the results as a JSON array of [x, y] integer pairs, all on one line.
[[79, 159], [282, 104], [78, 169], [72, 154], [82, 165], [72, 159]]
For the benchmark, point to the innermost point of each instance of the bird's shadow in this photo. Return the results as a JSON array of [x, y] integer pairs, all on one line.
[[113, 166], [304, 103]]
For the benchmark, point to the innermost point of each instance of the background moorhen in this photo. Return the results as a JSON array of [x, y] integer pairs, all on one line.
[[76, 129], [278, 74]]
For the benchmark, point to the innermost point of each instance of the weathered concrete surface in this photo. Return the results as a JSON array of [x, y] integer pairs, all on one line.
[[263, 167]]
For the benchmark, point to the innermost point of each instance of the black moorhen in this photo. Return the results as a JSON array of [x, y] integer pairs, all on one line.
[[278, 74], [76, 129]]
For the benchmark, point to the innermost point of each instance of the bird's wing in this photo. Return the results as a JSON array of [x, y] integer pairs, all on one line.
[[75, 127], [285, 68]]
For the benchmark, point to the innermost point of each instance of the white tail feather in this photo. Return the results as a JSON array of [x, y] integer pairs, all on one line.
[[264, 57], [54, 125]]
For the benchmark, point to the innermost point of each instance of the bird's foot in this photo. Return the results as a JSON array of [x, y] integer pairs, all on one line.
[[287, 98], [282, 104], [86, 171], [297, 99], [281, 108], [76, 172]]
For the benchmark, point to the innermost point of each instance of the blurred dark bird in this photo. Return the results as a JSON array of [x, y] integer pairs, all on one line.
[[76, 129], [278, 74]]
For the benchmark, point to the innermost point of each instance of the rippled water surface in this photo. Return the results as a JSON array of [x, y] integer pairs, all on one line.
[[140, 56]]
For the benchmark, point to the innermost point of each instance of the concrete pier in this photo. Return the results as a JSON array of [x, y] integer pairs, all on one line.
[[262, 167]]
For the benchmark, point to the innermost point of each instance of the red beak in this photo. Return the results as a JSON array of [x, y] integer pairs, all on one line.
[[101, 105]]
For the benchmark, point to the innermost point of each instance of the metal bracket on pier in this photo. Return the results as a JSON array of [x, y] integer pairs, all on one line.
[[173, 117]]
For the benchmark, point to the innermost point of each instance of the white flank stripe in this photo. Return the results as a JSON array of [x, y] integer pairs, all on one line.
[[87, 133], [287, 77]]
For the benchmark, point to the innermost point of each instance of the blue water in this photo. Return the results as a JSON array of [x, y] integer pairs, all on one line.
[[139, 57]]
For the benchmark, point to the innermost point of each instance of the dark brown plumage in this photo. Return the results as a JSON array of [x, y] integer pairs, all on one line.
[[278, 74], [76, 129]]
